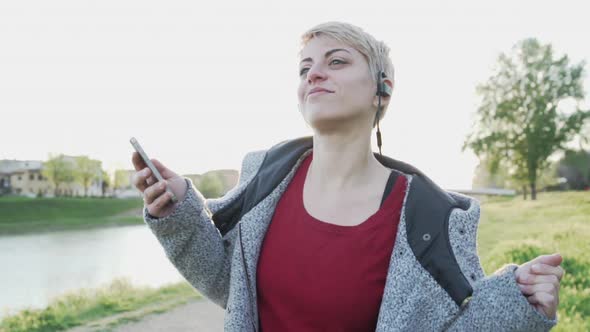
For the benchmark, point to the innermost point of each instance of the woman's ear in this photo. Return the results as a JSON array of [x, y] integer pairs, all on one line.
[[384, 99]]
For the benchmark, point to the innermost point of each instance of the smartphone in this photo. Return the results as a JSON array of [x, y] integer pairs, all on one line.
[[149, 163]]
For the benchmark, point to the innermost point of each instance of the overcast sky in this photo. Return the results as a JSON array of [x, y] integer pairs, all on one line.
[[186, 78]]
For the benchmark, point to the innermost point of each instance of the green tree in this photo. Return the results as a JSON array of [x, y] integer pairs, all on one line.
[[575, 167], [106, 182], [121, 179], [484, 178], [500, 178], [211, 185], [57, 170], [87, 170], [519, 124]]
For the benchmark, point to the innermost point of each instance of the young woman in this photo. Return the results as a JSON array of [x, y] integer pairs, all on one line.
[[322, 234]]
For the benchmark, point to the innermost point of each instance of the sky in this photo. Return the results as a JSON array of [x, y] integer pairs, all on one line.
[[201, 83]]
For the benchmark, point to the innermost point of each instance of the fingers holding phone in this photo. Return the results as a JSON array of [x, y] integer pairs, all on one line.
[[157, 199], [158, 195], [145, 176], [160, 186]]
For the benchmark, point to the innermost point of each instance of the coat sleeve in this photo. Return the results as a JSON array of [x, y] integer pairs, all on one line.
[[193, 243], [496, 304]]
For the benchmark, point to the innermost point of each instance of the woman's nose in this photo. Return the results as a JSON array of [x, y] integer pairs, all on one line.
[[315, 73]]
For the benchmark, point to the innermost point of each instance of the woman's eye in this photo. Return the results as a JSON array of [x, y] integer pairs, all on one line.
[[337, 60], [304, 70]]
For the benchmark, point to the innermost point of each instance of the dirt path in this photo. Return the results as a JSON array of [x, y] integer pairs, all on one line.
[[200, 315]]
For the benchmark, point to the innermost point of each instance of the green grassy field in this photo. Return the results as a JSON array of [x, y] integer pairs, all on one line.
[[118, 300], [514, 230], [25, 215]]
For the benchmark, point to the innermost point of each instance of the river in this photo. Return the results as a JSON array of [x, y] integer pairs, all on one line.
[[37, 267]]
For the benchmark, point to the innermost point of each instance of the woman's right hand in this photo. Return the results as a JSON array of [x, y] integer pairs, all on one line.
[[155, 197]]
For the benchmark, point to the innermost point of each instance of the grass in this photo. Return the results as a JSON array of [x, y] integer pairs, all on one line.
[[118, 300], [514, 230], [25, 215]]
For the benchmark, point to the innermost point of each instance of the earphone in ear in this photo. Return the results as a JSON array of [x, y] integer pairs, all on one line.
[[383, 90]]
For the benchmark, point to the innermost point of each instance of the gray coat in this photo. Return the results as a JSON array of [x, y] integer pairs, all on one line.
[[223, 268]]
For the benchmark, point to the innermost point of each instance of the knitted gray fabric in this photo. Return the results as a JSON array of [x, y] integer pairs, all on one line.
[[412, 299]]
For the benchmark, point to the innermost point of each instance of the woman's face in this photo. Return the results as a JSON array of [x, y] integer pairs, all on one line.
[[339, 68]]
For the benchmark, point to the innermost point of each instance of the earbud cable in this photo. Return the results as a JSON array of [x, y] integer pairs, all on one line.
[[378, 129]]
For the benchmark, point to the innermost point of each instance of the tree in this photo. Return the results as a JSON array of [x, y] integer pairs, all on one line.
[[87, 170], [585, 137], [575, 167], [211, 185], [121, 179], [57, 171], [483, 178], [106, 182], [519, 124]]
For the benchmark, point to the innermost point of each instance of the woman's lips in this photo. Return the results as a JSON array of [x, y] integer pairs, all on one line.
[[317, 93]]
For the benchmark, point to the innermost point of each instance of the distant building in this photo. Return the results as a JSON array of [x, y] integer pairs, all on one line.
[[229, 178], [125, 187], [24, 178]]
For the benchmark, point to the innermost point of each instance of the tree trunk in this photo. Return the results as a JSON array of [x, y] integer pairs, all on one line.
[[524, 192], [56, 189], [533, 191]]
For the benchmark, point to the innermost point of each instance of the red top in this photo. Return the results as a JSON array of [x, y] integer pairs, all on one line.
[[318, 276]]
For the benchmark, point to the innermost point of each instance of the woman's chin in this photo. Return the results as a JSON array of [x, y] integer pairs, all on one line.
[[323, 119]]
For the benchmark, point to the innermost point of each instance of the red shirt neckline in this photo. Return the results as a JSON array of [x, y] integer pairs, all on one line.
[[381, 215]]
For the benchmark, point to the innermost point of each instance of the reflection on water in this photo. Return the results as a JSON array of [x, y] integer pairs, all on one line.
[[39, 266]]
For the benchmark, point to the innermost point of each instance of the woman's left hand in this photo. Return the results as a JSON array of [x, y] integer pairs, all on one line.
[[539, 281]]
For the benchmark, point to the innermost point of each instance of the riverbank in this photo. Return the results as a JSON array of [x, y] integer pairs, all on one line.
[[22, 215], [119, 302]]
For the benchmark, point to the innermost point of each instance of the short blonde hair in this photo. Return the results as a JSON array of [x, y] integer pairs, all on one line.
[[375, 52]]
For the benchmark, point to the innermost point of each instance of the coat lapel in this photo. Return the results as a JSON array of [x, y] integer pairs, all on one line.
[[412, 298]]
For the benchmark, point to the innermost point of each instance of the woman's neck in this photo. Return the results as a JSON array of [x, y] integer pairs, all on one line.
[[343, 163]]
